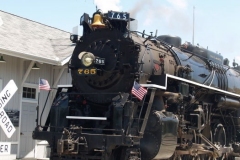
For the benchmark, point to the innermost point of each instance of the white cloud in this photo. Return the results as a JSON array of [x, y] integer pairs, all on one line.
[[172, 15], [238, 59], [178, 3], [106, 5]]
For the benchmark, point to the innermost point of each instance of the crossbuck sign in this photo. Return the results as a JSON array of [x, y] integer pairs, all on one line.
[[5, 96]]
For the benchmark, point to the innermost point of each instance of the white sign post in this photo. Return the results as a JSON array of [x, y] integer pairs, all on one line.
[[5, 96]]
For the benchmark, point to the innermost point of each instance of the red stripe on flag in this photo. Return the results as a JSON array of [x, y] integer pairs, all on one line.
[[138, 91]]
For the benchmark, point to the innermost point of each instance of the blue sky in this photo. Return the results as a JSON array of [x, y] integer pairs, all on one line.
[[216, 21]]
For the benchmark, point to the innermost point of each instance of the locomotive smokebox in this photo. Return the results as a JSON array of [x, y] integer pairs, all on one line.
[[103, 65]]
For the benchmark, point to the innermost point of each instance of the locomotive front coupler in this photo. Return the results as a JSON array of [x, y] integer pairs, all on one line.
[[79, 140]]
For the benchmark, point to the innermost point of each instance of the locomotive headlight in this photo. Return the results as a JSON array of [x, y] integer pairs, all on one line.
[[86, 58]]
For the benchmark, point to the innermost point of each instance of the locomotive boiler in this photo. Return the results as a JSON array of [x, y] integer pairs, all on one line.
[[189, 109]]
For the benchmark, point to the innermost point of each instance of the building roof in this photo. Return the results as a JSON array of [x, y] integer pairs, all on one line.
[[27, 39]]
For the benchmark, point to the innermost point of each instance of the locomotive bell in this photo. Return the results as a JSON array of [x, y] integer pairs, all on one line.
[[97, 21]]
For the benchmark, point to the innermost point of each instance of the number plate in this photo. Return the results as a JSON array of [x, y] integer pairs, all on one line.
[[87, 71], [118, 15], [99, 61]]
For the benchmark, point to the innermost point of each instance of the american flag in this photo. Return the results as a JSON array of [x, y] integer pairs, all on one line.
[[43, 84], [138, 91]]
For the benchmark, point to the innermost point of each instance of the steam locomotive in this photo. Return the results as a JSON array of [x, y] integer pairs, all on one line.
[[190, 109]]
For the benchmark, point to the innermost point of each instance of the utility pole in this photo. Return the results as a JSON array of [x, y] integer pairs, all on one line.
[[193, 26]]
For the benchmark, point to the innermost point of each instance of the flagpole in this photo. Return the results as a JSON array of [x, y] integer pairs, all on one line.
[[43, 85], [44, 107], [38, 102]]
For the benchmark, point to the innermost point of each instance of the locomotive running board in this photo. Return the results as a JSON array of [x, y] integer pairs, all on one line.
[[187, 81], [87, 118]]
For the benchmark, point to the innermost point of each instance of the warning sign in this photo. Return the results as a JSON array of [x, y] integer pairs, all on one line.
[[5, 96], [5, 148], [13, 116]]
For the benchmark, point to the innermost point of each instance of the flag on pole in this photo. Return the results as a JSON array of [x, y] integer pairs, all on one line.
[[138, 91], [43, 84]]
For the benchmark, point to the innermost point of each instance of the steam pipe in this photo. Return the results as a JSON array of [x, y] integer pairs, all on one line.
[[171, 96], [208, 77], [226, 102], [212, 78]]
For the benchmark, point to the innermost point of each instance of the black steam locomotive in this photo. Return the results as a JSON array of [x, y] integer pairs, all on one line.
[[191, 109]]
